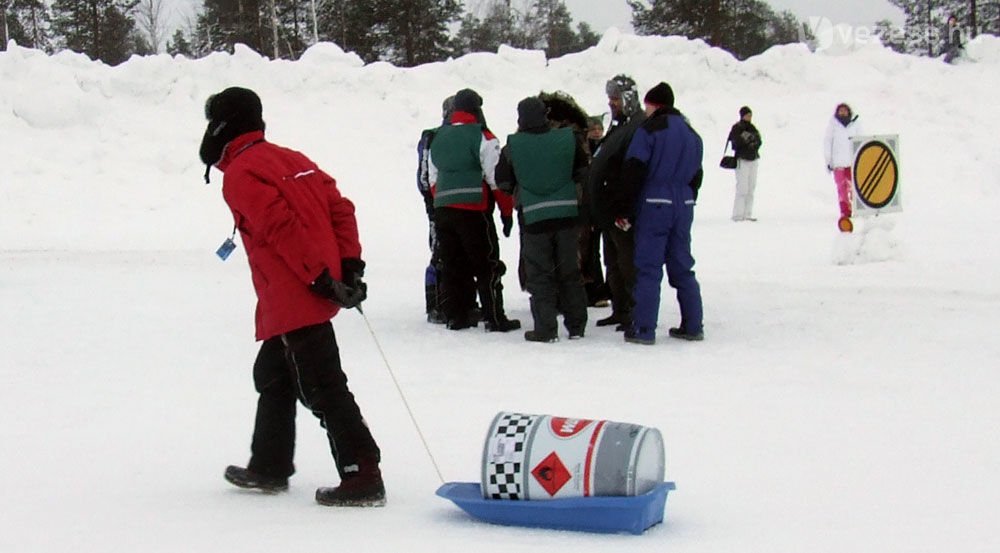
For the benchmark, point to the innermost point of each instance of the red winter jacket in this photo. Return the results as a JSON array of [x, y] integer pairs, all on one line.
[[294, 223]]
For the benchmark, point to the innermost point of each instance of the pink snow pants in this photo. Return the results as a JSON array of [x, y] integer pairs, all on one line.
[[842, 176]]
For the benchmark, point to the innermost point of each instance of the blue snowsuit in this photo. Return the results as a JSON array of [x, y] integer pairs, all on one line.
[[664, 164]]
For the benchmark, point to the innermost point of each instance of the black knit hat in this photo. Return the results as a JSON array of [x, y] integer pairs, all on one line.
[[531, 114], [660, 95], [468, 100], [230, 113], [745, 110]]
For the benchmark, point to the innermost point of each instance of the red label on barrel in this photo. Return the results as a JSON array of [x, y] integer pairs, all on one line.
[[567, 428], [551, 474]]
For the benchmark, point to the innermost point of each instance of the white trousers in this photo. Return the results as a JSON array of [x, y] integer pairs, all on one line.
[[746, 182]]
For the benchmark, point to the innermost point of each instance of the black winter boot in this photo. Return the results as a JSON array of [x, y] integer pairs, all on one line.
[[503, 324], [245, 478], [363, 488], [680, 333]]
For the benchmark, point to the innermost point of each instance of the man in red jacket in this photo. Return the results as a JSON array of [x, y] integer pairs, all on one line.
[[302, 243]]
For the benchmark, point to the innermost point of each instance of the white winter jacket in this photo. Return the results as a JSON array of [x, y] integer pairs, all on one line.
[[837, 142]]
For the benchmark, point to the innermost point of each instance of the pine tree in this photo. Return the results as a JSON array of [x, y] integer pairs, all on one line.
[[179, 45], [546, 24], [27, 22], [924, 21], [500, 25], [416, 31], [101, 29], [586, 36], [892, 37], [224, 23], [552, 29], [743, 27], [353, 25]]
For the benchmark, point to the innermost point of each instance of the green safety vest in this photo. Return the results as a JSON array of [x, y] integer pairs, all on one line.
[[543, 166], [455, 153]]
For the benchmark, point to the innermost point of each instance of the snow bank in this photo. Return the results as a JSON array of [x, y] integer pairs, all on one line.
[[118, 145]]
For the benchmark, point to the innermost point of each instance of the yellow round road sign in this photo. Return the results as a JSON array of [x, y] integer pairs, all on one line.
[[876, 174]]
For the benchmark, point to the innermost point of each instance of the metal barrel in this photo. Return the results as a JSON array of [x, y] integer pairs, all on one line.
[[536, 457]]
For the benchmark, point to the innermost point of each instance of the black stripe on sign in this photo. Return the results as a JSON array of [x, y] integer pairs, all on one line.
[[870, 180]]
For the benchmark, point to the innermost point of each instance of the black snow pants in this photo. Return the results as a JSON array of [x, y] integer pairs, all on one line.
[[470, 262], [304, 365], [554, 281]]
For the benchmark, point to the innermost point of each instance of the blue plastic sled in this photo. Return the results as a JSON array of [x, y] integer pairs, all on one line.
[[606, 515]]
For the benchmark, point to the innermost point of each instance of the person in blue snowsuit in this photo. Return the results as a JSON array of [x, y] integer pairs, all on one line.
[[662, 174]]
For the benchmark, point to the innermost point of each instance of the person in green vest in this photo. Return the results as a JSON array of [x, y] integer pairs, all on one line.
[[540, 166], [461, 165]]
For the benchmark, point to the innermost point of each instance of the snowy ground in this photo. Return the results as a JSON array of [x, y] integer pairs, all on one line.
[[844, 398]]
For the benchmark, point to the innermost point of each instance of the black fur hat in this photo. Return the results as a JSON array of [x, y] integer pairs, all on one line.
[[230, 113], [468, 100]]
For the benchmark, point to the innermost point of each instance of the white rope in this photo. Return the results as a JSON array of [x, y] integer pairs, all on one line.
[[402, 396]]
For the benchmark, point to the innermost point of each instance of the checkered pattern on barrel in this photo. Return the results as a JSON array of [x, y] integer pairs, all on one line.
[[502, 478]]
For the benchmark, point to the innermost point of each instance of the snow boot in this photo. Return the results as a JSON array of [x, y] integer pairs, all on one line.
[[640, 336], [612, 319], [535, 336], [682, 334], [363, 488], [503, 324], [247, 479], [461, 324]]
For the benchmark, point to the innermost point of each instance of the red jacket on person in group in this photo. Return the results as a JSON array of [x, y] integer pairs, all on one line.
[[293, 223]]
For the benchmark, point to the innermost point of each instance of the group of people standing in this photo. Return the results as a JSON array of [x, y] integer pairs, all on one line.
[[635, 186]]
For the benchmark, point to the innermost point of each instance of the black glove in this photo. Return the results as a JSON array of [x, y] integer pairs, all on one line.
[[351, 271], [508, 224], [338, 292]]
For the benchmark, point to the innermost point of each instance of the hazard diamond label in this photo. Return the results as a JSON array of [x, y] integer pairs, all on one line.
[[551, 474]]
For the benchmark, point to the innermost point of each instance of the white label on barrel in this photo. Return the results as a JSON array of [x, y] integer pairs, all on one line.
[[503, 449]]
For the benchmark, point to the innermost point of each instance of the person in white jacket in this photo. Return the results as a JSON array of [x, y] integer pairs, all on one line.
[[840, 154]]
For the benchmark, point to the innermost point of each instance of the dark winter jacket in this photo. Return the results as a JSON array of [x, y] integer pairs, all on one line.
[[423, 172], [953, 37], [661, 165], [294, 224], [746, 141], [606, 168]]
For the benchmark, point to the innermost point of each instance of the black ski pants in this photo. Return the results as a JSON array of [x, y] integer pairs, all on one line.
[[470, 262], [554, 281], [619, 258], [304, 365]]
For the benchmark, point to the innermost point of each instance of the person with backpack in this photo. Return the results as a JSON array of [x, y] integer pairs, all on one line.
[[746, 142]]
